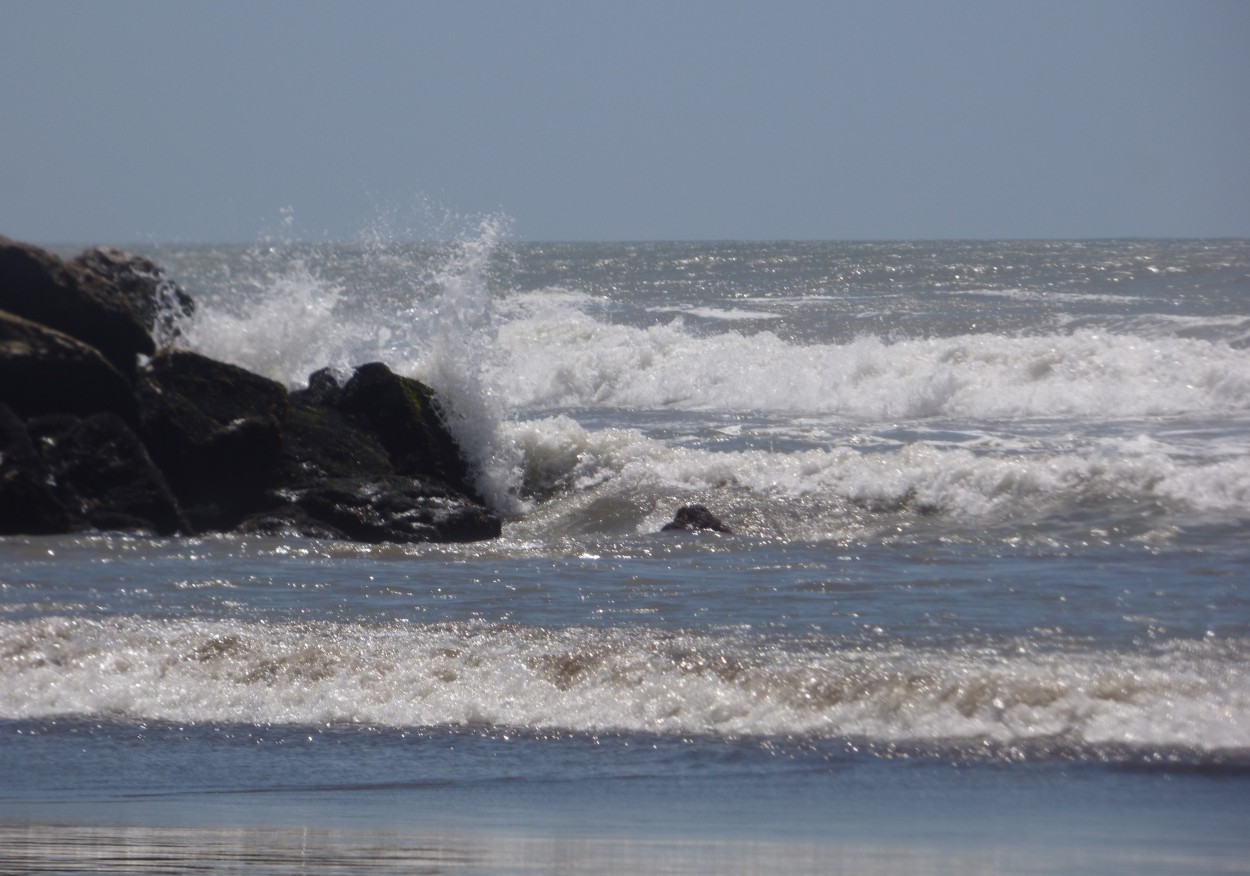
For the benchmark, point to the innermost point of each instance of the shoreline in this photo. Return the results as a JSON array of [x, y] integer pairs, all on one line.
[[81, 849], [936, 818]]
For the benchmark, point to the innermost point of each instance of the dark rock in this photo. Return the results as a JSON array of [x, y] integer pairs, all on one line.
[[28, 503], [695, 517], [43, 371], [323, 388], [337, 480], [222, 392], [402, 413], [388, 509], [322, 442], [290, 521], [215, 430], [41, 287], [104, 476], [160, 303], [188, 444]]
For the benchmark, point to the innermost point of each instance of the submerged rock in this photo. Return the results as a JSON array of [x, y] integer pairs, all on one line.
[[695, 517]]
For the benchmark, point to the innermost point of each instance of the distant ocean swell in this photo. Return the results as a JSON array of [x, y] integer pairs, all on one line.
[[1189, 695]]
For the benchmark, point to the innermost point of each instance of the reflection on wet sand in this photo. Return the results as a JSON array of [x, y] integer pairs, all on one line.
[[78, 849], [41, 848]]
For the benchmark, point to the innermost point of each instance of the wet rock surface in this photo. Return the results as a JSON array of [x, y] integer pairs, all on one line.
[[694, 518], [94, 434]]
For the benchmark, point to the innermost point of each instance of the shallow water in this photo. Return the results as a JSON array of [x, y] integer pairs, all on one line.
[[984, 610]]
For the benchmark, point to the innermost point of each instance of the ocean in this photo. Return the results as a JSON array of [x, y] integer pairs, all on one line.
[[985, 608]]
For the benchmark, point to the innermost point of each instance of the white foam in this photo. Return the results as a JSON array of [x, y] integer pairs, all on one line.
[[1192, 694], [819, 486], [458, 359], [1044, 295], [284, 329], [500, 361], [291, 322], [555, 354], [726, 314]]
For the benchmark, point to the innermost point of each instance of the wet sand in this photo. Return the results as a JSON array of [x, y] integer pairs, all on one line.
[[42, 848], [933, 820]]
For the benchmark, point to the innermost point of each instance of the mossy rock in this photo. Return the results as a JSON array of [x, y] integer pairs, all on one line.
[[322, 442], [403, 415]]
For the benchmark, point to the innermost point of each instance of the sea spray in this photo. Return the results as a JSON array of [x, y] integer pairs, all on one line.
[[285, 319], [283, 324], [461, 358]]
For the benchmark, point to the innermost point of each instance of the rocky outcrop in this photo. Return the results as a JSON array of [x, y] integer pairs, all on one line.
[[169, 441], [160, 303], [44, 371], [104, 477], [402, 414], [370, 461], [28, 502], [40, 287], [64, 473], [215, 430]]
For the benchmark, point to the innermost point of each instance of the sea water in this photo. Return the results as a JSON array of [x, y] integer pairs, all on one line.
[[985, 608]]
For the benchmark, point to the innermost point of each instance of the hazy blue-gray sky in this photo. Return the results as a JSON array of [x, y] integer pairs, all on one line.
[[136, 121]]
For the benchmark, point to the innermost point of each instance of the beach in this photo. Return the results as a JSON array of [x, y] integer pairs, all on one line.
[[983, 608]]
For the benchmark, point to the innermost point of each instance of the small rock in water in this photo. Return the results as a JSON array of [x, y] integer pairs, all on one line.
[[695, 517]]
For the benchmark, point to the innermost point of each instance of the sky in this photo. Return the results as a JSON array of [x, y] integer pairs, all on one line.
[[150, 121]]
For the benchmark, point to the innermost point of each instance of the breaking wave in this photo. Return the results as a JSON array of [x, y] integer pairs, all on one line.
[[1193, 695], [559, 355], [519, 372]]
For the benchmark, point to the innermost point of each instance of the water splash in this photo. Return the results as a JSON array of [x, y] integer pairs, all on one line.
[[462, 357], [425, 310], [282, 324]]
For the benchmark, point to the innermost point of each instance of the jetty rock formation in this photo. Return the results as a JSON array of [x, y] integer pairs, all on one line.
[[103, 428]]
